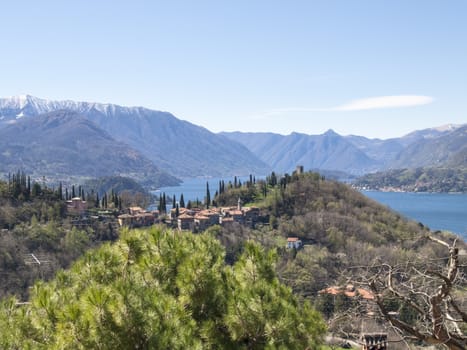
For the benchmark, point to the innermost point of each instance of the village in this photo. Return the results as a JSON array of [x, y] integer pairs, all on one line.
[[184, 219], [194, 219]]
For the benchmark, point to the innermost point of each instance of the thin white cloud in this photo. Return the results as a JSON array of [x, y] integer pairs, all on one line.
[[380, 102]]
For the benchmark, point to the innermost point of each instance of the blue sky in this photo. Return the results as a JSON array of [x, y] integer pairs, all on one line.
[[372, 68]]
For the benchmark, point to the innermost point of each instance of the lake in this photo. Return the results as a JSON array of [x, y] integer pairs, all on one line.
[[438, 211]]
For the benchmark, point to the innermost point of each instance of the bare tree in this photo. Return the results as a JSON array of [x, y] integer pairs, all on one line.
[[430, 295]]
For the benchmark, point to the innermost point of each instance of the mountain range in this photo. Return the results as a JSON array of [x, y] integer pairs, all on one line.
[[357, 155], [95, 139], [64, 144], [179, 147]]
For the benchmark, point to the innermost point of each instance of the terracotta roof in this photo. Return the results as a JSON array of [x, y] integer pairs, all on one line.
[[292, 239], [208, 212], [185, 217], [365, 294]]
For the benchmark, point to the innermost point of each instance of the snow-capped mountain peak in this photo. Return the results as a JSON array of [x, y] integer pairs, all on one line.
[[447, 127], [28, 105]]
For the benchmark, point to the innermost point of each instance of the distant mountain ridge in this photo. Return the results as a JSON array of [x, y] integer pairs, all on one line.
[[328, 151], [64, 144], [435, 151], [181, 148], [188, 150], [358, 155]]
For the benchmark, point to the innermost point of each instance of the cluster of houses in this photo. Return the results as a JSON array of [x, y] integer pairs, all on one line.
[[138, 217], [195, 219], [200, 219]]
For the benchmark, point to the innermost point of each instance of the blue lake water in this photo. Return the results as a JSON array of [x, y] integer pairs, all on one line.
[[438, 211]]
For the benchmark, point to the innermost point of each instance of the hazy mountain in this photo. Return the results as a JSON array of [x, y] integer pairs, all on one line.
[[448, 149], [188, 150], [426, 134], [383, 151], [386, 151], [62, 143], [177, 146], [328, 151]]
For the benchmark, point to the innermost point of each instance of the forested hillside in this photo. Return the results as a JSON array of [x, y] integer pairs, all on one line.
[[225, 288], [416, 180], [347, 237], [38, 235]]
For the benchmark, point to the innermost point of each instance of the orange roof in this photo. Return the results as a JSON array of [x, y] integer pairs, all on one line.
[[208, 212], [330, 290], [292, 239], [185, 217], [365, 294]]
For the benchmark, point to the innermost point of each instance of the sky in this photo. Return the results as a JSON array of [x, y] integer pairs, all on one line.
[[379, 69]]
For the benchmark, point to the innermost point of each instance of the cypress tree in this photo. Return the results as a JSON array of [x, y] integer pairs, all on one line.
[[208, 195], [164, 200], [29, 185], [182, 201], [60, 191]]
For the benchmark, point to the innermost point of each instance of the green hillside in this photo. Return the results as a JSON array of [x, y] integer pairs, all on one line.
[[236, 286], [417, 180]]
